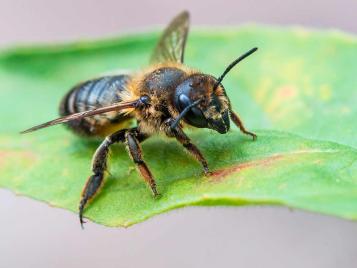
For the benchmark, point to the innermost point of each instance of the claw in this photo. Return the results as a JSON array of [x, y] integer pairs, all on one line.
[[82, 222], [206, 171], [155, 193], [250, 134], [253, 135], [157, 196], [81, 208]]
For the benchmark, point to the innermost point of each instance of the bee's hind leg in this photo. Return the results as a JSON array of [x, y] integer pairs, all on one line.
[[132, 138], [99, 165]]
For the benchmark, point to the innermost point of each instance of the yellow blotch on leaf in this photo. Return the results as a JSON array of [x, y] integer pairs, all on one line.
[[325, 92]]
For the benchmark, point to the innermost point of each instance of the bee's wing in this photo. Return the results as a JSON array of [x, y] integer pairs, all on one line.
[[114, 107], [171, 45]]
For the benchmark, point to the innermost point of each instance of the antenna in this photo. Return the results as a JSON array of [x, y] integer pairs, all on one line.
[[234, 63]]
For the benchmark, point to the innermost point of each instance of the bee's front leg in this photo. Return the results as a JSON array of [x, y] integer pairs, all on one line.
[[238, 122], [182, 138]]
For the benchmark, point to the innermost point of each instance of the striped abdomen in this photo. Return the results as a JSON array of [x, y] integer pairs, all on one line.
[[93, 94]]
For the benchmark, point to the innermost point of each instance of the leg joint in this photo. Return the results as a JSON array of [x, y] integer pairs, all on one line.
[[138, 161]]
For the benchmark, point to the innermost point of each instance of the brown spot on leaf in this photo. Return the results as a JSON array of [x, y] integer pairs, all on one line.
[[220, 174]]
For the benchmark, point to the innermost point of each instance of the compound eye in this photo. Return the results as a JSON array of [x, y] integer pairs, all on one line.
[[195, 116], [184, 101]]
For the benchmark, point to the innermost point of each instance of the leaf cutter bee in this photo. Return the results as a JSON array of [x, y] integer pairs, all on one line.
[[164, 98]]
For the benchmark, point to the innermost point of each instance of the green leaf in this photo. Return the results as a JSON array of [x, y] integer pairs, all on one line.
[[298, 91]]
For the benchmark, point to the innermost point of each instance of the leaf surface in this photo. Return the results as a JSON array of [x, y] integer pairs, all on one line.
[[299, 93]]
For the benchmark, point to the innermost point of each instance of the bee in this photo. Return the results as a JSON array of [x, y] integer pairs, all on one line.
[[164, 98]]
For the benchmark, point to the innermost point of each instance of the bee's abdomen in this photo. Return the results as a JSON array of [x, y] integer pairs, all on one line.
[[93, 94]]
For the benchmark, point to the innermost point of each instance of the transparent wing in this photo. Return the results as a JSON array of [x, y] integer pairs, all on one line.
[[114, 107], [171, 45]]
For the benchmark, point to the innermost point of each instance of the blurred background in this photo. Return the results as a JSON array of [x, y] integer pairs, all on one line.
[[50, 21], [34, 235]]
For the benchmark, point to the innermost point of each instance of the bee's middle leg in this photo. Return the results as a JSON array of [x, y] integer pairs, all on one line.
[[132, 141]]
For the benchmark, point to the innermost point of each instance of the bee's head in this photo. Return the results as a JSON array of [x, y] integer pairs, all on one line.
[[212, 111], [202, 101]]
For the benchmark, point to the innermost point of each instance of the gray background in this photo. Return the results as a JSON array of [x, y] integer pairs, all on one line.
[[35, 235]]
